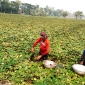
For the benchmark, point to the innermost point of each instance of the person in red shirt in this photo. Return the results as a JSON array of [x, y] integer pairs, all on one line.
[[44, 46]]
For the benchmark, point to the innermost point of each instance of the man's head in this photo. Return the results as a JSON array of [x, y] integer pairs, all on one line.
[[43, 34]]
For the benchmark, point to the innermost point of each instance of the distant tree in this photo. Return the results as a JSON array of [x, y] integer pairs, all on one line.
[[51, 11], [4, 6], [26, 8], [14, 7], [58, 12], [78, 14], [65, 13], [32, 10], [46, 10], [19, 3], [37, 10], [81, 15], [0, 5], [42, 12]]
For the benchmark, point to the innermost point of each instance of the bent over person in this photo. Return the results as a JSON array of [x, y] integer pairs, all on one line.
[[44, 46], [82, 61]]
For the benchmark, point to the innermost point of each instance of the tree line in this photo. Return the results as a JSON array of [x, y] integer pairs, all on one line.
[[17, 7]]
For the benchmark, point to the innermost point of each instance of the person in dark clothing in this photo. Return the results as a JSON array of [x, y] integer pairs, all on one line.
[[82, 61]]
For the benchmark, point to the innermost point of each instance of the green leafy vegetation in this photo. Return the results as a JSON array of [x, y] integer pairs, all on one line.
[[17, 34]]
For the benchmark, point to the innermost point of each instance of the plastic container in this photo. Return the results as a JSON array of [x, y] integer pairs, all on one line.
[[79, 69], [49, 64]]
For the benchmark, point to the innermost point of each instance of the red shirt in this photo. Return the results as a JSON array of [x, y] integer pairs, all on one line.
[[44, 46]]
